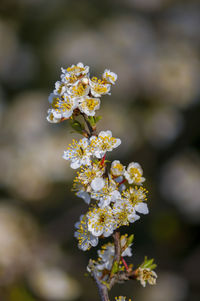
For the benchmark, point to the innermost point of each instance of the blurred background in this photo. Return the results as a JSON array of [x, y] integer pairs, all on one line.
[[154, 47]]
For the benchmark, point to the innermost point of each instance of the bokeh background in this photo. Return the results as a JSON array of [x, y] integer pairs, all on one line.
[[154, 47]]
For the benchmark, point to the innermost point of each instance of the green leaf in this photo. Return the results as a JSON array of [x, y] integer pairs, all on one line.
[[115, 268], [148, 264], [77, 126], [97, 118], [93, 120], [130, 240]]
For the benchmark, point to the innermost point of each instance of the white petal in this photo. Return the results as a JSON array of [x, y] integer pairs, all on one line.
[[94, 240], [142, 208], [75, 165], [118, 142], [97, 184]]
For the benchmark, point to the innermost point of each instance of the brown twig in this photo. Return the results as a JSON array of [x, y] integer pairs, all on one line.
[[117, 244], [103, 291], [92, 130]]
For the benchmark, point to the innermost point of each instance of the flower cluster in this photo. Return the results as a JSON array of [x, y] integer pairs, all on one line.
[[113, 201], [113, 192], [104, 263], [76, 91]]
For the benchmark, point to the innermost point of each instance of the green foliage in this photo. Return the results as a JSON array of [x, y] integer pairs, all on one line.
[[93, 120], [130, 240], [148, 264], [77, 126], [115, 268]]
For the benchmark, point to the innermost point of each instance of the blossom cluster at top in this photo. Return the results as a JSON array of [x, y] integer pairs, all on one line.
[[76, 91]]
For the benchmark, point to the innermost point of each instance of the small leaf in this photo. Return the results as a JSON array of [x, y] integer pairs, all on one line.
[[115, 268], [148, 264], [77, 126], [97, 118], [130, 240], [91, 120]]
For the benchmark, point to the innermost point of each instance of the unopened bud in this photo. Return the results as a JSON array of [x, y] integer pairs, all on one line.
[[85, 81]]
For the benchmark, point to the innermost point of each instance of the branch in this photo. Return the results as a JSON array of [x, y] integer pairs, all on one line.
[[117, 244], [92, 130], [103, 291]]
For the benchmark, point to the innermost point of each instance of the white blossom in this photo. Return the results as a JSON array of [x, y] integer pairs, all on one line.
[[107, 194], [101, 221], [145, 275], [78, 90], [124, 212], [137, 197], [85, 238], [98, 87], [62, 106], [117, 169], [134, 173], [103, 143], [60, 88], [79, 153], [76, 70], [109, 77], [89, 105], [87, 175]]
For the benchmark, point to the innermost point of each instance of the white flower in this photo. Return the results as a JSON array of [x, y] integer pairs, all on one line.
[[98, 87], [78, 69], [87, 175], [60, 88], [145, 275], [101, 221], [78, 90], [89, 105], [97, 184], [63, 106], [106, 256], [134, 174], [109, 77], [107, 194], [137, 196], [117, 169], [79, 153], [124, 212], [103, 143], [85, 238], [51, 118]]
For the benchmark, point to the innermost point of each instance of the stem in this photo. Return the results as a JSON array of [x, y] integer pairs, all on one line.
[[116, 237], [91, 130], [125, 264], [103, 160], [103, 291]]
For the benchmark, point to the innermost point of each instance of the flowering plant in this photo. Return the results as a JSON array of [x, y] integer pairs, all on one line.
[[114, 193]]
